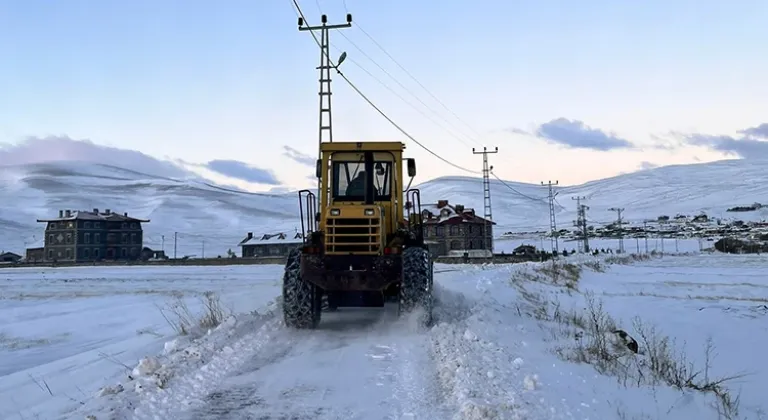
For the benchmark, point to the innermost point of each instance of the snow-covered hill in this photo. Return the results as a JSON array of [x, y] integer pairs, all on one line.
[[196, 211], [208, 218]]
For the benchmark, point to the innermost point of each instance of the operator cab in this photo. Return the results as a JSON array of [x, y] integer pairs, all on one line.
[[350, 179]]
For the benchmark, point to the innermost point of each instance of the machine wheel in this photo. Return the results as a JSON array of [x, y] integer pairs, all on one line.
[[301, 299], [330, 302], [416, 285]]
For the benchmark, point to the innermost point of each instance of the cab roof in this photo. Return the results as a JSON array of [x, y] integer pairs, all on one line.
[[372, 146]]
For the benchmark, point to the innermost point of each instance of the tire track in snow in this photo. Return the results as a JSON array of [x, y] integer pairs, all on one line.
[[360, 364], [185, 392]]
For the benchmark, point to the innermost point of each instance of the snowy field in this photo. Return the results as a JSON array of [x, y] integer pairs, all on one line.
[[631, 245], [504, 346]]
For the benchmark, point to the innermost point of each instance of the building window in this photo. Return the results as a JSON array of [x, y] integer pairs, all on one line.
[[69, 253], [69, 238], [86, 253], [51, 226], [440, 231], [110, 237], [50, 254], [124, 238], [95, 252], [97, 238], [125, 225], [87, 238], [455, 245], [469, 228], [124, 252], [133, 238], [97, 225], [50, 239], [87, 225], [133, 225]]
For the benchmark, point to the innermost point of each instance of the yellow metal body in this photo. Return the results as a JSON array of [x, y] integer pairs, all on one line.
[[352, 227]]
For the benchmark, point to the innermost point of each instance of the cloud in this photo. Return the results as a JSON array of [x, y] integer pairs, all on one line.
[[645, 165], [749, 145], [759, 131], [744, 147], [243, 171], [298, 156], [575, 134], [62, 148]]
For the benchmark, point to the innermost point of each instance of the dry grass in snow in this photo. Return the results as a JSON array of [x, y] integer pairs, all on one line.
[[645, 357], [183, 321]]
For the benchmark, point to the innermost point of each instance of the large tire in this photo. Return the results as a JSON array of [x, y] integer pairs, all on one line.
[[301, 299], [416, 284]]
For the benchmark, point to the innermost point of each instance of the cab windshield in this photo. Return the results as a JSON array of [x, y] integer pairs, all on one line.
[[349, 180]]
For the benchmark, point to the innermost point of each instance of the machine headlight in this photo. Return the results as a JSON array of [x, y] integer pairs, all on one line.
[[368, 212], [335, 212]]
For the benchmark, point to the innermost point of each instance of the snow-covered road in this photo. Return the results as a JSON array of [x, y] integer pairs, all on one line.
[[493, 353], [363, 364]]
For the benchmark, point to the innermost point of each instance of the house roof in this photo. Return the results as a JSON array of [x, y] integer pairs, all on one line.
[[443, 213], [273, 238], [96, 216], [13, 254]]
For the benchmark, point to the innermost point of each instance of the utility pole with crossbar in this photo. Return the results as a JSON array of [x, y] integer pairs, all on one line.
[[487, 227], [618, 211], [325, 120], [552, 224], [581, 221]]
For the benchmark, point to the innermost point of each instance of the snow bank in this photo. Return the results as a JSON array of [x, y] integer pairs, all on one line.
[[195, 365]]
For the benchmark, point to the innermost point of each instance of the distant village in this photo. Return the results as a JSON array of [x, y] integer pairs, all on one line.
[[78, 236], [450, 230]]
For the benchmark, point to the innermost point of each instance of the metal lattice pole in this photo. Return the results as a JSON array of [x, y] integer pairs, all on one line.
[[618, 225], [581, 222], [325, 120], [552, 223], [487, 226]]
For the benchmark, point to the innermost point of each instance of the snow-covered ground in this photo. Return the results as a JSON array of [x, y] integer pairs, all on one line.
[[497, 350], [209, 219]]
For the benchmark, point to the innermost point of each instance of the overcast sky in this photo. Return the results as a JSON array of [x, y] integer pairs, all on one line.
[[567, 90]]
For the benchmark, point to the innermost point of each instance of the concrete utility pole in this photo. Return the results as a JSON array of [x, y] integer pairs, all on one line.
[[487, 226], [645, 234], [325, 120], [175, 237], [203, 253], [581, 221], [621, 229], [552, 224]]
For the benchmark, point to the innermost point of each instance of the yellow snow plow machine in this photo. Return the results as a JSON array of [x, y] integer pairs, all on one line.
[[364, 243]]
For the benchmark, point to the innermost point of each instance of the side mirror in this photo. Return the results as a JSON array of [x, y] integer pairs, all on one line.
[[318, 168], [411, 163]]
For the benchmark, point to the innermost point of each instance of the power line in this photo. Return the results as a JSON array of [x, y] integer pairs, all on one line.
[[360, 66], [516, 191], [362, 95], [411, 75], [412, 94]]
